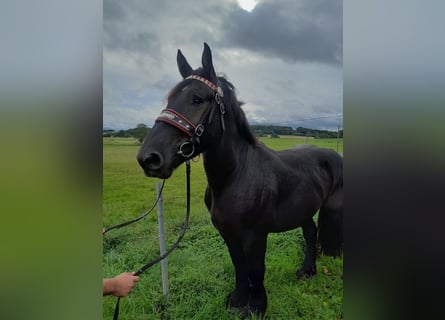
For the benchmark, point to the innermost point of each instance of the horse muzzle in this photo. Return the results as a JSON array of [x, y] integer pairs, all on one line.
[[153, 165]]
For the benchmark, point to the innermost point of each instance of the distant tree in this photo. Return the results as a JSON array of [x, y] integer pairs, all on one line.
[[122, 134], [140, 132], [267, 130]]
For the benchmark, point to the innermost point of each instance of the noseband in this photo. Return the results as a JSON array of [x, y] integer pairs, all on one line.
[[193, 131]]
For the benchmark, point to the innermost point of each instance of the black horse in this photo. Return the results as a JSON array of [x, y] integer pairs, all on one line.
[[252, 190]]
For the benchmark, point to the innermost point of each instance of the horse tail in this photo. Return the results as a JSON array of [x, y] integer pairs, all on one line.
[[330, 220]]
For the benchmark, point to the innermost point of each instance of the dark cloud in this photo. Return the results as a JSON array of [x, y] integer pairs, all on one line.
[[113, 10], [259, 51], [140, 42], [292, 30], [124, 27], [142, 26]]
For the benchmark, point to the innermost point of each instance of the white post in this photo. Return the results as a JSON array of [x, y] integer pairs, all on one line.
[[162, 240]]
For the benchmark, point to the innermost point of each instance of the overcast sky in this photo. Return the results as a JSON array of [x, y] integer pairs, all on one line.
[[285, 57]]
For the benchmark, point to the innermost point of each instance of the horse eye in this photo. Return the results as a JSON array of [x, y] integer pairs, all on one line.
[[197, 100]]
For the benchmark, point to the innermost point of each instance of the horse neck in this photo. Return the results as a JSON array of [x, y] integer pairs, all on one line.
[[224, 160], [226, 157]]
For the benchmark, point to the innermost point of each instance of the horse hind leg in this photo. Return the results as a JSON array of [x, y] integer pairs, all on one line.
[[330, 225], [308, 268]]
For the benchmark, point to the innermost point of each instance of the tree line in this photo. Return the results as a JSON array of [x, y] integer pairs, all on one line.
[[274, 131], [141, 131]]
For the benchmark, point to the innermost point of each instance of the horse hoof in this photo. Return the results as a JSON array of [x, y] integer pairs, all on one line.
[[257, 304], [236, 302], [249, 312], [244, 313], [307, 273]]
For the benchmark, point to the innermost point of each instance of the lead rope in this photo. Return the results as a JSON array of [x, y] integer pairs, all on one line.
[[173, 247], [142, 216]]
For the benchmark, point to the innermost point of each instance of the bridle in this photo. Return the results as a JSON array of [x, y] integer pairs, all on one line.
[[194, 131]]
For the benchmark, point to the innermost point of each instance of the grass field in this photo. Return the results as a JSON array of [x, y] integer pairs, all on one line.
[[200, 271]]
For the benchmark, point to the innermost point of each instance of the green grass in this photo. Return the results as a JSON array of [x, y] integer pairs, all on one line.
[[200, 271], [286, 142]]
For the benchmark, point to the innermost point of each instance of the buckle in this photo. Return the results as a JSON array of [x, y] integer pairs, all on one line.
[[222, 108], [199, 130], [218, 98]]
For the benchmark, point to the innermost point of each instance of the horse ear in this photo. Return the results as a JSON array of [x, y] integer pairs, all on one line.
[[207, 64], [184, 68]]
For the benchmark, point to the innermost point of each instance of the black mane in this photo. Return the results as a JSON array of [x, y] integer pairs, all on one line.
[[231, 102]]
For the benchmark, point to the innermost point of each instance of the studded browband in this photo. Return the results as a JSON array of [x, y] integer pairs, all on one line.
[[208, 83]]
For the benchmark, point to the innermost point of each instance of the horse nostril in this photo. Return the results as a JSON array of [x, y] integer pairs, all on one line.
[[153, 161]]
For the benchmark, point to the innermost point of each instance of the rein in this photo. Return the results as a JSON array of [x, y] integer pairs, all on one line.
[[174, 246], [142, 216]]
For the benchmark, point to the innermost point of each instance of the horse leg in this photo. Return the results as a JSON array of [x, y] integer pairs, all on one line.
[[239, 297], [308, 268], [255, 250], [330, 225]]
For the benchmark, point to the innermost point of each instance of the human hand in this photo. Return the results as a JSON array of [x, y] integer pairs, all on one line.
[[121, 285]]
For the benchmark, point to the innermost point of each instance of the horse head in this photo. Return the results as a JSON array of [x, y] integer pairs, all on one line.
[[183, 130]]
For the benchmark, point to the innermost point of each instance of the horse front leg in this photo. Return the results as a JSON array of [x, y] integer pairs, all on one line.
[[308, 268], [255, 251], [238, 299]]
